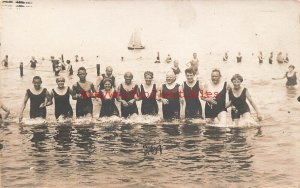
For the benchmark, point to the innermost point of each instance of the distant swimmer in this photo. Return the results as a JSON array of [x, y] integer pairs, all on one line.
[[225, 58], [6, 110], [170, 97], [58, 68], [39, 99], [291, 76], [108, 74], [148, 95], [286, 58], [191, 90], [168, 59], [54, 62], [215, 96], [194, 63], [33, 62], [76, 58], [61, 95], [69, 68], [260, 58], [237, 101], [5, 61], [271, 58], [83, 92], [239, 58], [108, 96], [128, 95], [176, 68], [280, 58], [157, 58]]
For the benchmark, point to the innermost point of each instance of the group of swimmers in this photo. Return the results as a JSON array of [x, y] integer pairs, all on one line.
[[178, 100]]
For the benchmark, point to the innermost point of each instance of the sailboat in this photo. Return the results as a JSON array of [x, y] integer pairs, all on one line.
[[135, 41]]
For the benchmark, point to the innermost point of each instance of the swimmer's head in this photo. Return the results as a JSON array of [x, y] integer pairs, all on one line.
[[107, 83], [237, 79], [194, 55], [128, 76], [176, 63], [81, 73], [170, 77], [215, 76], [291, 67], [109, 71], [68, 61], [37, 81], [60, 81], [148, 75], [190, 75]]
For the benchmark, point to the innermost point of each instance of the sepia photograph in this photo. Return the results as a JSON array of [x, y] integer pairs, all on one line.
[[137, 94]]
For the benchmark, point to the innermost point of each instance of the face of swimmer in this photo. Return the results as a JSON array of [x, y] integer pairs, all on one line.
[[82, 75], [190, 77], [148, 79], [236, 83], [128, 77], [170, 78], [37, 83], [60, 82], [291, 69], [215, 77], [107, 86], [108, 71]]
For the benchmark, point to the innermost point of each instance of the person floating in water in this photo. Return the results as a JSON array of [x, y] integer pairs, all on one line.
[[170, 97], [225, 58], [271, 58], [191, 90], [61, 95], [239, 58], [128, 95], [260, 58], [194, 63], [108, 97], [286, 58], [83, 92], [280, 58], [5, 61], [291, 76], [39, 99], [148, 95], [6, 110], [176, 68], [108, 74], [214, 94], [237, 100], [33, 62], [168, 59]]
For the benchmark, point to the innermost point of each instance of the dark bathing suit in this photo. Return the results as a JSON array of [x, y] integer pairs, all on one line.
[[211, 110], [193, 108], [149, 103], [108, 107], [127, 96], [239, 103], [176, 71], [112, 79], [84, 104], [239, 59], [35, 103], [33, 63], [62, 104], [172, 109], [71, 70], [291, 81], [260, 60], [270, 60]]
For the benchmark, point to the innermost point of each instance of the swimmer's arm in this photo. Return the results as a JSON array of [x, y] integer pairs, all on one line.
[[119, 98], [73, 93], [7, 111], [182, 101], [23, 106], [279, 78], [137, 95], [228, 104], [98, 81], [253, 104], [49, 98], [203, 89], [159, 93]]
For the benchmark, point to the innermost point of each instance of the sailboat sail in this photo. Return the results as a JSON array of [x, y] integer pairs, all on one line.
[[135, 41]]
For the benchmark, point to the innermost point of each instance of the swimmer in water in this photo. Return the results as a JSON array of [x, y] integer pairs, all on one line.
[[6, 110], [168, 59], [33, 62], [237, 101], [5, 61], [83, 92], [108, 74], [291, 76], [176, 68], [108, 97], [128, 96], [239, 58], [61, 95], [271, 58], [39, 99], [286, 58], [260, 58], [225, 58], [194, 63], [280, 58]]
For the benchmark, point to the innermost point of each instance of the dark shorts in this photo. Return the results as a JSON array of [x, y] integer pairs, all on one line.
[[214, 111], [236, 114], [84, 107]]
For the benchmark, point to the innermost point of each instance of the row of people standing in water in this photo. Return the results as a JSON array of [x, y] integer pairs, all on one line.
[[177, 100]]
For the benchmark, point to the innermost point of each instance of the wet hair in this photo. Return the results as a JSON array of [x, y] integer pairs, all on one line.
[[148, 73], [237, 76], [130, 74], [190, 71], [216, 70], [60, 78], [81, 69], [292, 66], [36, 78], [68, 61], [107, 80]]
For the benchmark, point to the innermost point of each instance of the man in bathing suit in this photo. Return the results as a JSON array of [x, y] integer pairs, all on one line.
[[108, 74]]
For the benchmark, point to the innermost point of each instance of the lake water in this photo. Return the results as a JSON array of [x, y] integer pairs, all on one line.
[[110, 153]]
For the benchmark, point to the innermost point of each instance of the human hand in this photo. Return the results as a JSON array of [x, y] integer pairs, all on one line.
[[165, 101]]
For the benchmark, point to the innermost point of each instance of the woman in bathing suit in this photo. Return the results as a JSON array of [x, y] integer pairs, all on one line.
[[148, 95], [291, 76], [108, 97]]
